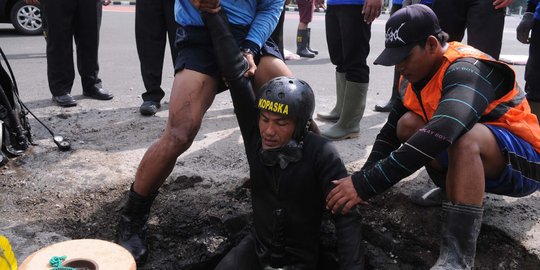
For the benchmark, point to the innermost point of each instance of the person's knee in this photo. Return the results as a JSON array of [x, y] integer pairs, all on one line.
[[179, 135], [468, 144], [407, 125]]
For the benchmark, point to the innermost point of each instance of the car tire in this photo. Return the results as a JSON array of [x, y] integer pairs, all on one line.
[[26, 18]]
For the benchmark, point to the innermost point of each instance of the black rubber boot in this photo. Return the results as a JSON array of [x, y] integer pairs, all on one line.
[[132, 226], [316, 52], [302, 40], [3, 159], [459, 231], [390, 104]]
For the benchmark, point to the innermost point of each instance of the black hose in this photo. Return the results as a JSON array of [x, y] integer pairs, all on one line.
[[62, 144]]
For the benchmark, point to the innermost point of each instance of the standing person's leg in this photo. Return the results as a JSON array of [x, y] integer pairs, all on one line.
[[335, 43], [87, 42], [60, 69], [268, 68], [355, 34], [150, 38], [277, 35], [44, 24], [485, 26], [532, 70], [395, 83], [316, 52], [452, 17], [394, 96], [192, 94], [172, 25], [305, 8]]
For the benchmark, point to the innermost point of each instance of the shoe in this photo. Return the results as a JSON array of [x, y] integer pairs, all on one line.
[[386, 108], [149, 107], [65, 100], [98, 93], [432, 197]]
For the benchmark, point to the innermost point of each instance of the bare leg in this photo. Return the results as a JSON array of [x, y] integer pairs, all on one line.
[[472, 158], [192, 94], [270, 67]]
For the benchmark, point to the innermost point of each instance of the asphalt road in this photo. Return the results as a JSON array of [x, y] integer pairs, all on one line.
[[120, 67]]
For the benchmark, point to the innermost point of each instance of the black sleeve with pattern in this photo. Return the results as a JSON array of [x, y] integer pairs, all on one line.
[[469, 86], [387, 140]]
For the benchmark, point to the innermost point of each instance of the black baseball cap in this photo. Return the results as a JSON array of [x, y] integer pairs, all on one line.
[[404, 29]]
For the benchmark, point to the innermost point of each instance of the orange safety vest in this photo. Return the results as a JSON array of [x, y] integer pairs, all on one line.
[[512, 111]]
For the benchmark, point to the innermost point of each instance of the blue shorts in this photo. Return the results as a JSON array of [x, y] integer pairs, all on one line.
[[196, 52], [521, 176]]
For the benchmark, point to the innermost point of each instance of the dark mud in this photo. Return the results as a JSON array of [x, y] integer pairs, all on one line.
[[194, 223]]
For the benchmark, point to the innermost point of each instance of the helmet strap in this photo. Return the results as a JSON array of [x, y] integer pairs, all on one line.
[[291, 152]]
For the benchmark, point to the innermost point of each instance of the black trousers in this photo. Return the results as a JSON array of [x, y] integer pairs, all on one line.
[[483, 22], [241, 257], [277, 35], [532, 70], [154, 21], [68, 20], [347, 36]]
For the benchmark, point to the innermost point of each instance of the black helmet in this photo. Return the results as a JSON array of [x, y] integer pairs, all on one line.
[[291, 97]]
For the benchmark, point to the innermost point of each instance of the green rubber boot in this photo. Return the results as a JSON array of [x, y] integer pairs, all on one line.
[[354, 103], [334, 114]]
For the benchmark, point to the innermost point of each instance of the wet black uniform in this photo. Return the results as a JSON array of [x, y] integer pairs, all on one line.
[[288, 204]]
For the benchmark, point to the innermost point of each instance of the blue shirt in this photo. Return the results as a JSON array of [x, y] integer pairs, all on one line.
[[260, 15], [537, 12]]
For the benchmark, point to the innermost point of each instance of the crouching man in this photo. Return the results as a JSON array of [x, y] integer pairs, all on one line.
[[462, 116]]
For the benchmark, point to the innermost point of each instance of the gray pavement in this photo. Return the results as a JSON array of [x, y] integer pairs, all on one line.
[[120, 68]]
